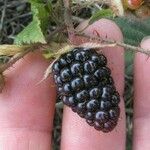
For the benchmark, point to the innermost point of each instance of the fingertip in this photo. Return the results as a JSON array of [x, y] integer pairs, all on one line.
[[104, 28], [141, 58], [108, 29]]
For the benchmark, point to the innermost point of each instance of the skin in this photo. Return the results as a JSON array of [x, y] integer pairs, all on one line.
[[142, 99], [73, 123], [27, 108]]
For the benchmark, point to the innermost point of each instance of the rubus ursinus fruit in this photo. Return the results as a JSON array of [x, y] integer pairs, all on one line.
[[84, 83], [133, 4]]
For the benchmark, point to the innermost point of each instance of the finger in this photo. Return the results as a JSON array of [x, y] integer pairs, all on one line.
[[142, 99], [26, 107], [76, 133]]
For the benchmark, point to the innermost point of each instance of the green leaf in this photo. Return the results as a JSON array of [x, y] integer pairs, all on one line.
[[133, 30], [49, 5], [103, 13], [35, 31], [40, 11], [31, 34]]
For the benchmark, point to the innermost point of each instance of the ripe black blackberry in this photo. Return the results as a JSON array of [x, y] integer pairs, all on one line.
[[85, 84]]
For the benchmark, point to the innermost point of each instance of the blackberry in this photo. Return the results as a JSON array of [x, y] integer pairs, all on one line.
[[101, 116], [89, 81], [82, 96], [92, 105], [70, 101], [89, 67], [63, 61], [67, 88], [77, 84], [90, 122], [89, 116], [56, 67], [81, 56], [98, 126], [95, 92], [69, 58], [65, 74], [105, 105], [84, 83], [58, 80], [76, 68], [102, 72]]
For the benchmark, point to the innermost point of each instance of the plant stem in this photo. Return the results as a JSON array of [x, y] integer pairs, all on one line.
[[3, 16], [68, 19], [57, 30], [16, 57], [107, 41]]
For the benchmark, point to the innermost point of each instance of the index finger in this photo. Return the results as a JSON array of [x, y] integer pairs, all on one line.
[[76, 133]]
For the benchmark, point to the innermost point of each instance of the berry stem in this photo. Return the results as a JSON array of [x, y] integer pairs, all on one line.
[[108, 41], [48, 71], [57, 30]]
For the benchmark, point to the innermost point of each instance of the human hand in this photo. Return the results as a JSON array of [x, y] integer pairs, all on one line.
[[27, 108]]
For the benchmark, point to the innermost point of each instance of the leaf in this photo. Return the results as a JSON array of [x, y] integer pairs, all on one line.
[[133, 30], [10, 50], [31, 34], [103, 13], [35, 31], [49, 5], [41, 11]]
